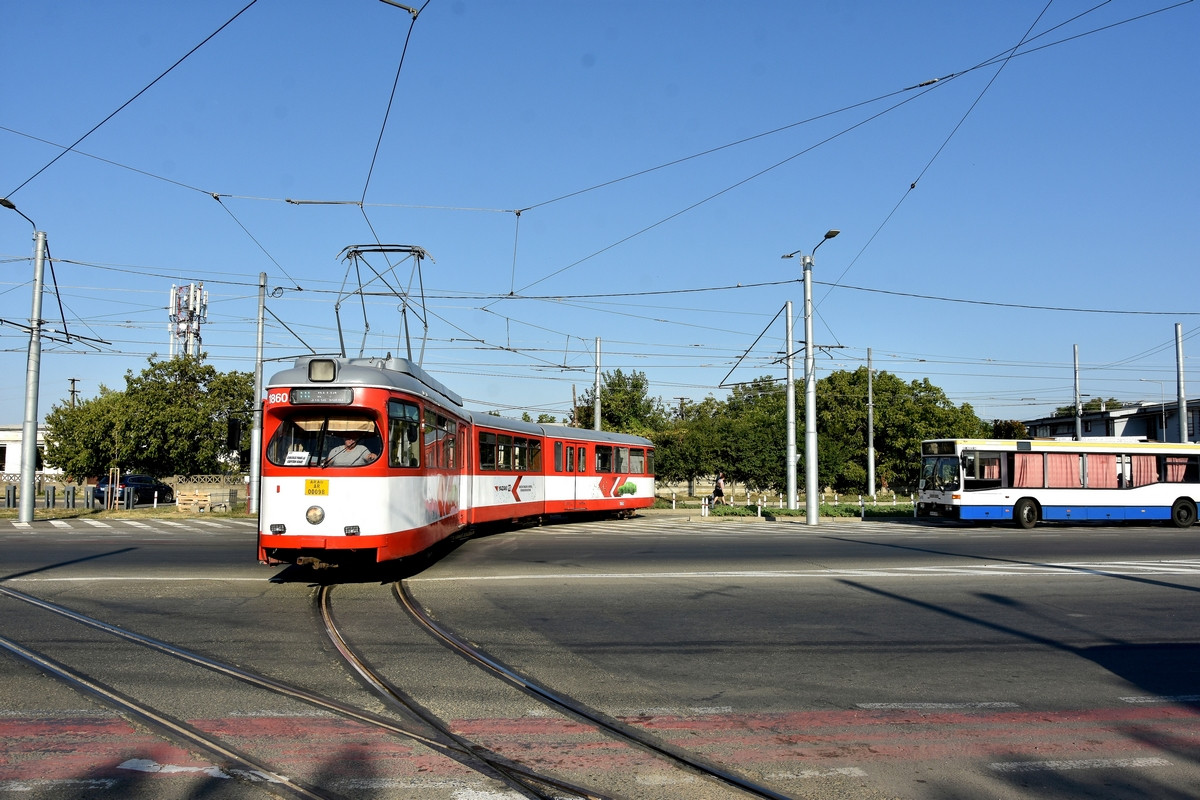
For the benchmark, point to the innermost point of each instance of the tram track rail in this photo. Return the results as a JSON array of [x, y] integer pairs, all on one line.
[[573, 708], [247, 768], [419, 726]]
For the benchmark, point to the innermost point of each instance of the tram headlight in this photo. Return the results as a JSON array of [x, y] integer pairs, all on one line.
[[315, 515]]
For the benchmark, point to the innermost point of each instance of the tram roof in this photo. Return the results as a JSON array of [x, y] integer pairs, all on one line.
[[390, 372]]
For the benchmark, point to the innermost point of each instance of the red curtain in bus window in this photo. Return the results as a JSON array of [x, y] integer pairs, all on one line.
[[1027, 470], [1102, 471], [991, 469], [1062, 470], [1144, 471], [1176, 466]]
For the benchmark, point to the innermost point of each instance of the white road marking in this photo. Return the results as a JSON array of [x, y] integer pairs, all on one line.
[[1170, 698], [1090, 569], [831, 772], [1083, 763]]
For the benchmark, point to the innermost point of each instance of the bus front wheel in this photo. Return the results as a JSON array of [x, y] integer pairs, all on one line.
[[1025, 513], [1183, 513]]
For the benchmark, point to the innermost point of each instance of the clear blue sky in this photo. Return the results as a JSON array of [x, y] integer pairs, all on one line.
[[663, 156]]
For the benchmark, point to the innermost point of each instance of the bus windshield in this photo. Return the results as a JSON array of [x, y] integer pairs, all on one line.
[[939, 472]]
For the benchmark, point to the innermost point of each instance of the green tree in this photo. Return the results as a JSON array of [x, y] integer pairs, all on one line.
[[753, 447], [688, 447], [171, 419], [905, 415], [1094, 404], [81, 439], [1009, 429], [625, 405]]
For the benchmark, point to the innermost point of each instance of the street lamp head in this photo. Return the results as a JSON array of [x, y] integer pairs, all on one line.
[[832, 233], [6, 203]]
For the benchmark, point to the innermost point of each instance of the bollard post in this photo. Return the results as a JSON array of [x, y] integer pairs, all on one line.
[[672, 501], [862, 508], [50, 499], [70, 497]]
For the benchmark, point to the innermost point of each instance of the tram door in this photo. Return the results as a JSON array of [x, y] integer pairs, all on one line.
[[572, 499]]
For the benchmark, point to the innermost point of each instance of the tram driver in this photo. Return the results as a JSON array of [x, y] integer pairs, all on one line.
[[350, 453]]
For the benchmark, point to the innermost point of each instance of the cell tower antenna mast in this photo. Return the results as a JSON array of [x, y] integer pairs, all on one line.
[[187, 312]]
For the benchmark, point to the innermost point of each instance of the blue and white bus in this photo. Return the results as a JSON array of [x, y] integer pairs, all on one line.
[[1028, 480]]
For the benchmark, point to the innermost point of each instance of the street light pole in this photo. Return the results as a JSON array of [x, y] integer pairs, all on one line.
[[811, 499], [33, 364], [791, 412], [33, 367]]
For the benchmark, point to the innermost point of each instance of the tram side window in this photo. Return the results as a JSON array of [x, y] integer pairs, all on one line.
[[622, 459], [581, 463], [404, 434], [487, 450], [570, 459], [637, 461], [520, 460], [558, 456], [441, 436], [504, 452], [604, 458], [649, 462]]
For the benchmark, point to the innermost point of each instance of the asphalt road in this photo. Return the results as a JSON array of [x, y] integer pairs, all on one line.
[[846, 660]]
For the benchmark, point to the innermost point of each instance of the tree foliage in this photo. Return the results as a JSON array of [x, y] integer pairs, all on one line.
[[746, 435], [625, 404], [1094, 404], [171, 419]]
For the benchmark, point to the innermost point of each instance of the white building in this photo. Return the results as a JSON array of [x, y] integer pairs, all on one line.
[[10, 452], [1154, 421]]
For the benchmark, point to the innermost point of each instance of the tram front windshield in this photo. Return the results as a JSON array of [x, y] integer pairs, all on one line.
[[307, 438]]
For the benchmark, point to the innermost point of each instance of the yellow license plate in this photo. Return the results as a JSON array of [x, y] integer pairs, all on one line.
[[316, 486]]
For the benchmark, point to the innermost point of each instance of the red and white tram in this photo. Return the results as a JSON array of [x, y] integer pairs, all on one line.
[[372, 459]]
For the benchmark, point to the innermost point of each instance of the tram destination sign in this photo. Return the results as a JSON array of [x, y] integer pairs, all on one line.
[[331, 396]]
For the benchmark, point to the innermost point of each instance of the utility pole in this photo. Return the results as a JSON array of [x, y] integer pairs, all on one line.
[[33, 369], [870, 430], [811, 500], [1078, 402], [596, 412], [790, 394], [1183, 410], [252, 499], [73, 391]]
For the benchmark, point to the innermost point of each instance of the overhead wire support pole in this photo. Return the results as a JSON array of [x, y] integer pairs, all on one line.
[[812, 508], [256, 426], [791, 412], [33, 366]]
